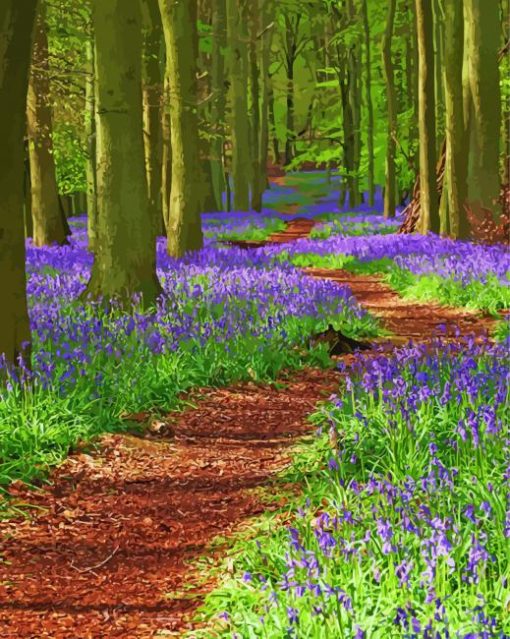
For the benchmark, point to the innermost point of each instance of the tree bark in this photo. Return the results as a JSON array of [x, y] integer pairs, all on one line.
[[429, 218], [49, 225], [166, 160], [238, 67], [257, 188], [16, 27], [125, 256], [180, 27], [456, 149], [218, 88], [482, 25], [90, 130], [152, 82], [369, 104], [265, 82], [390, 186]]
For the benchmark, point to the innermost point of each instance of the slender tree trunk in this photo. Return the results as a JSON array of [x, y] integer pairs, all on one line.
[[429, 216], [16, 27], [185, 226], [369, 104], [125, 256], [27, 193], [238, 65], [90, 130], [257, 188], [272, 121], [439, 63], [355, 108], [265, 82], [166, 160], [290, 135], [218, 88], [49, 225], [390, 187], [482, 25], [152, 82], [456, 148]]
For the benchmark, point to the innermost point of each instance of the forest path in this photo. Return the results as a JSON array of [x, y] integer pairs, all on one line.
[[107, 551]]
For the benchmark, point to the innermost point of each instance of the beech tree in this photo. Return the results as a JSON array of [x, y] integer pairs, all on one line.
[[429, 220], [184, 231], [125, 259], [389, 189], [240, 132], [16, 27]]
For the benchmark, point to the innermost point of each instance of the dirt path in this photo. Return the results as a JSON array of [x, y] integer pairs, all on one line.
[[106, 556], [406, 319], [107, 552]]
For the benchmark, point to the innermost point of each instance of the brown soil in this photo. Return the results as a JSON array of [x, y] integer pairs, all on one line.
[[106, 553]]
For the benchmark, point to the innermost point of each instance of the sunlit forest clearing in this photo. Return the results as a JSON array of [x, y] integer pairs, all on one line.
[[254, 336]]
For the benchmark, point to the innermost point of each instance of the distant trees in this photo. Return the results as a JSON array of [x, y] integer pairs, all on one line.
[[17, 21], [391, 139]]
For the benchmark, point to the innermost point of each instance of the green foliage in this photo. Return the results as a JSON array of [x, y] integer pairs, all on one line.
[[70, 159]]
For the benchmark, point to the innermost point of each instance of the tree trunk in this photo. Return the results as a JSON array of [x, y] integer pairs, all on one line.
[[152, 82], [272, 121], [238, 66], [218, 88], [429, 219], [48, 224], [257, 188], [125, 257], [166, 160], [390, 187], [456, 148], [439, 64], [90, 130], [180, 27], [265, 81], [355, 108], [369, 104], [482, 25], [16, 27], [290, 135]]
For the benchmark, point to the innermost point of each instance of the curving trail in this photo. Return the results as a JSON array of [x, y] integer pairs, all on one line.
[[106, 553]]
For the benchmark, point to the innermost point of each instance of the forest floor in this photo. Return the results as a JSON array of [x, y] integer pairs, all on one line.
[[110, 547]]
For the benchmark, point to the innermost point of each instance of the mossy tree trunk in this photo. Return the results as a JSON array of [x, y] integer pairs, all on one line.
[[390, 185], [16, 27], [238, 68], [90, 131], [49, 225], [152, 82], [455, 223], [483, 37], [184, 231], [166, 160], [429, 213], [125, 256]]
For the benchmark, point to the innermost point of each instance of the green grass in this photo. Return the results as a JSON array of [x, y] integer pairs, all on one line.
[[255, 233], [39, 426], [489, 296]]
